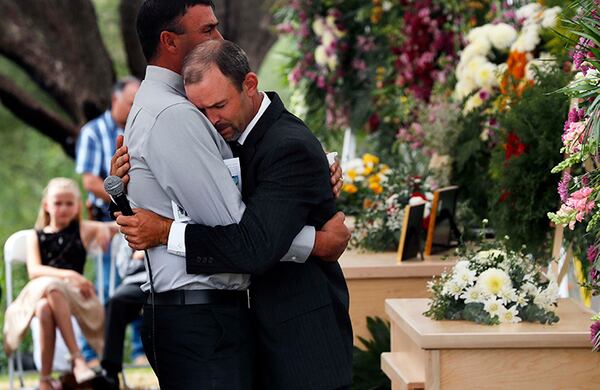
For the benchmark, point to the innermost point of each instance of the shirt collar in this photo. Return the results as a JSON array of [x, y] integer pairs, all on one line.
[[263, 107], [164, 75]]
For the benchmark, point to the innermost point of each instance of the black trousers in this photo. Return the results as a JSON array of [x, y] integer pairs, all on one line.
[[204, 347], [122, 308]]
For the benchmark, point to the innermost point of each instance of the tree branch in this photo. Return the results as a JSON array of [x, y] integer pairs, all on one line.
[[26, 108]]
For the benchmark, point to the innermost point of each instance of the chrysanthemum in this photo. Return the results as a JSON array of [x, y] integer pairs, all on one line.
[[493, 281]]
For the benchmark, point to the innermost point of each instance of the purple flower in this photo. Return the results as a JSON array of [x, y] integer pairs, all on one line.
[[563, 187]]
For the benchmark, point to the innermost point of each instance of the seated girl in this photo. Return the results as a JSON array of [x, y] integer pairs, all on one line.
[[57, 289]]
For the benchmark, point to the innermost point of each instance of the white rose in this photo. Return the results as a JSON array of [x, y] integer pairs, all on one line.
[[332, 62], [502, 36]]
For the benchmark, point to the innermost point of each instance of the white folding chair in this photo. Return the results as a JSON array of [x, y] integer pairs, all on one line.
[[15, 252]]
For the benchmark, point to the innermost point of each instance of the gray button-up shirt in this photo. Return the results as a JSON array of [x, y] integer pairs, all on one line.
[[177, 155]]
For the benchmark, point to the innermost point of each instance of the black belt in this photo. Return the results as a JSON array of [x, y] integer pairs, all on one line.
[[199, 297]]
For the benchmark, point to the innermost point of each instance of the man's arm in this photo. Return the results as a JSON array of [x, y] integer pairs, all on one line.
[[95, 185], [290, 186]]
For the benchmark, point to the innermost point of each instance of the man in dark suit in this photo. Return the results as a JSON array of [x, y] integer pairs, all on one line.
[[300, 310]]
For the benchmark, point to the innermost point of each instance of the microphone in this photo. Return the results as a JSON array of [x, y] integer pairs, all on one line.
[[114, 186]]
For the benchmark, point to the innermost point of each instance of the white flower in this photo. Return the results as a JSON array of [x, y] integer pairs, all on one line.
[[545, 63], [452, 288], [327, 39], [480, 33], [485, 76], [493, 307], [465, 276], [462, 264], [500, 71], [508, 295], [493, 280], [472, 295], [332, 62], [480, 47], [387, 5], [472, 103], [530, 289], [522, 299], [318, 27], [486, 257], [474, 64], [528, 39], [550, 17], [464, 88], [509, 316], [485, 135], [321, 55], [529, 11], [502, 36]]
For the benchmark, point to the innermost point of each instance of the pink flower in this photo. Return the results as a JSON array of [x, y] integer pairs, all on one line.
[[563, 186], [579, 201], [573, 137]]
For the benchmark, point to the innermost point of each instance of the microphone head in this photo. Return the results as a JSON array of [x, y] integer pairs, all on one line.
[[114, 186]]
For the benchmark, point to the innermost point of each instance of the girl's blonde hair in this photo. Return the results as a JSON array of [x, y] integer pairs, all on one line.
[[59, 184]]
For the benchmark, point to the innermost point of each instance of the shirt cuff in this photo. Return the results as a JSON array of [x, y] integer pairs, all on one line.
[[302, 246], [176, 242]]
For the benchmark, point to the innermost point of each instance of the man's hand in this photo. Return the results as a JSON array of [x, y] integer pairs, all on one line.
[[144, 229], [336, 178], [119, 163], [331, 241]]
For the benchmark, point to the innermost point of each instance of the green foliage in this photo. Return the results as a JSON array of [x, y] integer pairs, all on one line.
[[471, 162], [367, 362], [537, 120]]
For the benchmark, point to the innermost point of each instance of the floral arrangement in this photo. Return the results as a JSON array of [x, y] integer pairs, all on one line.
[[364, 178], [494, 285], [377, 227], [501, 56], [579, 187]]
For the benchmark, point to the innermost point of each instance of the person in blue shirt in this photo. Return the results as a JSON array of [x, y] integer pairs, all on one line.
[[95, 147]]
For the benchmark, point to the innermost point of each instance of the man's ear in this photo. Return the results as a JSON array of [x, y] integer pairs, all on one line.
[[168, 41], [250, 84]]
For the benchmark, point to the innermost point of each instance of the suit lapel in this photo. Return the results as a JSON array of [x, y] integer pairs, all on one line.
[[270, 116]]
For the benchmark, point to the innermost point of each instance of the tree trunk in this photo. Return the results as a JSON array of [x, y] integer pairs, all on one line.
[[247, 23], [57, 42], [135, 56]]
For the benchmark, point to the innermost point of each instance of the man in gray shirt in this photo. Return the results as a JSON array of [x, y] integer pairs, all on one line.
[[198, 335]]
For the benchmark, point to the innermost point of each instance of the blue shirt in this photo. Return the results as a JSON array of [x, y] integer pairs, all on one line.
[[95, 147]]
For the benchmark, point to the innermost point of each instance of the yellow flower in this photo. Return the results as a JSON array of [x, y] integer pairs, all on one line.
[[384, 168], [350, 188], [403, 99], [370, 158], [374, 179], [376, 188], [367, 203], [368, 169], [351, 174]]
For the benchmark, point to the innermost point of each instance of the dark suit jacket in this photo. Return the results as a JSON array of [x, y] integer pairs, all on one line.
[[301, 310]]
